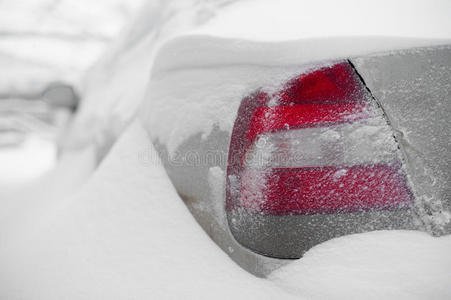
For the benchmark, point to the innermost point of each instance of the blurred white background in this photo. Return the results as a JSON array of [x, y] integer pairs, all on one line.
[[43, 42]]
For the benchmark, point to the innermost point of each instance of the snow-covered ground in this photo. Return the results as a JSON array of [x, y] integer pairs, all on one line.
[[119, 230], [20, 164], [120, 238], [131, 237]]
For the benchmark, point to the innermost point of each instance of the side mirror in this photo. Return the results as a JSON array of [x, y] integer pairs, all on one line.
[[60, 94]]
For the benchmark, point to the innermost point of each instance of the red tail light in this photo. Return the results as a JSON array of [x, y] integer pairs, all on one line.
[[320, 145]]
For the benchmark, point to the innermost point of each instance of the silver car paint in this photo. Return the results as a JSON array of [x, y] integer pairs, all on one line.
[[414, 88]]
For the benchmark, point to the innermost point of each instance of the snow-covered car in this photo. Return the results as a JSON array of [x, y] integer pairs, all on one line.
[[282, 125], [315, 151], [278, 145]]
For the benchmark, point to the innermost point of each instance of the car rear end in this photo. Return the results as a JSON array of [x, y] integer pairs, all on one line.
[[315, 160], [277, 146], [273, 160]]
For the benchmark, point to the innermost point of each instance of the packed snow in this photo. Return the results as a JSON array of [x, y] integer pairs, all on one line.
[[122, 237], [374, 265], [20, 164]]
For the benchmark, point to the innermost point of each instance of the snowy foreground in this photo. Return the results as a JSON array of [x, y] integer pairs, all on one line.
[[131, 237]]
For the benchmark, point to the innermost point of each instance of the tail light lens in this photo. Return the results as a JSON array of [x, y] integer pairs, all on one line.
[[320, 145]]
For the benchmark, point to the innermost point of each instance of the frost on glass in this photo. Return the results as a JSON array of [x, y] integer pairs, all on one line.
[[369, 141]]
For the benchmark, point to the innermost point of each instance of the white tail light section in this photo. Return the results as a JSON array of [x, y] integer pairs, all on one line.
[[321, 145], [364, 142]]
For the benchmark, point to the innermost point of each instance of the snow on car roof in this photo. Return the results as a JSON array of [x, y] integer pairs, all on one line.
[[293, 19], [292, 31]]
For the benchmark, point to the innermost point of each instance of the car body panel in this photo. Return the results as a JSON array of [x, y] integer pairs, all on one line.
[[414, 88]]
